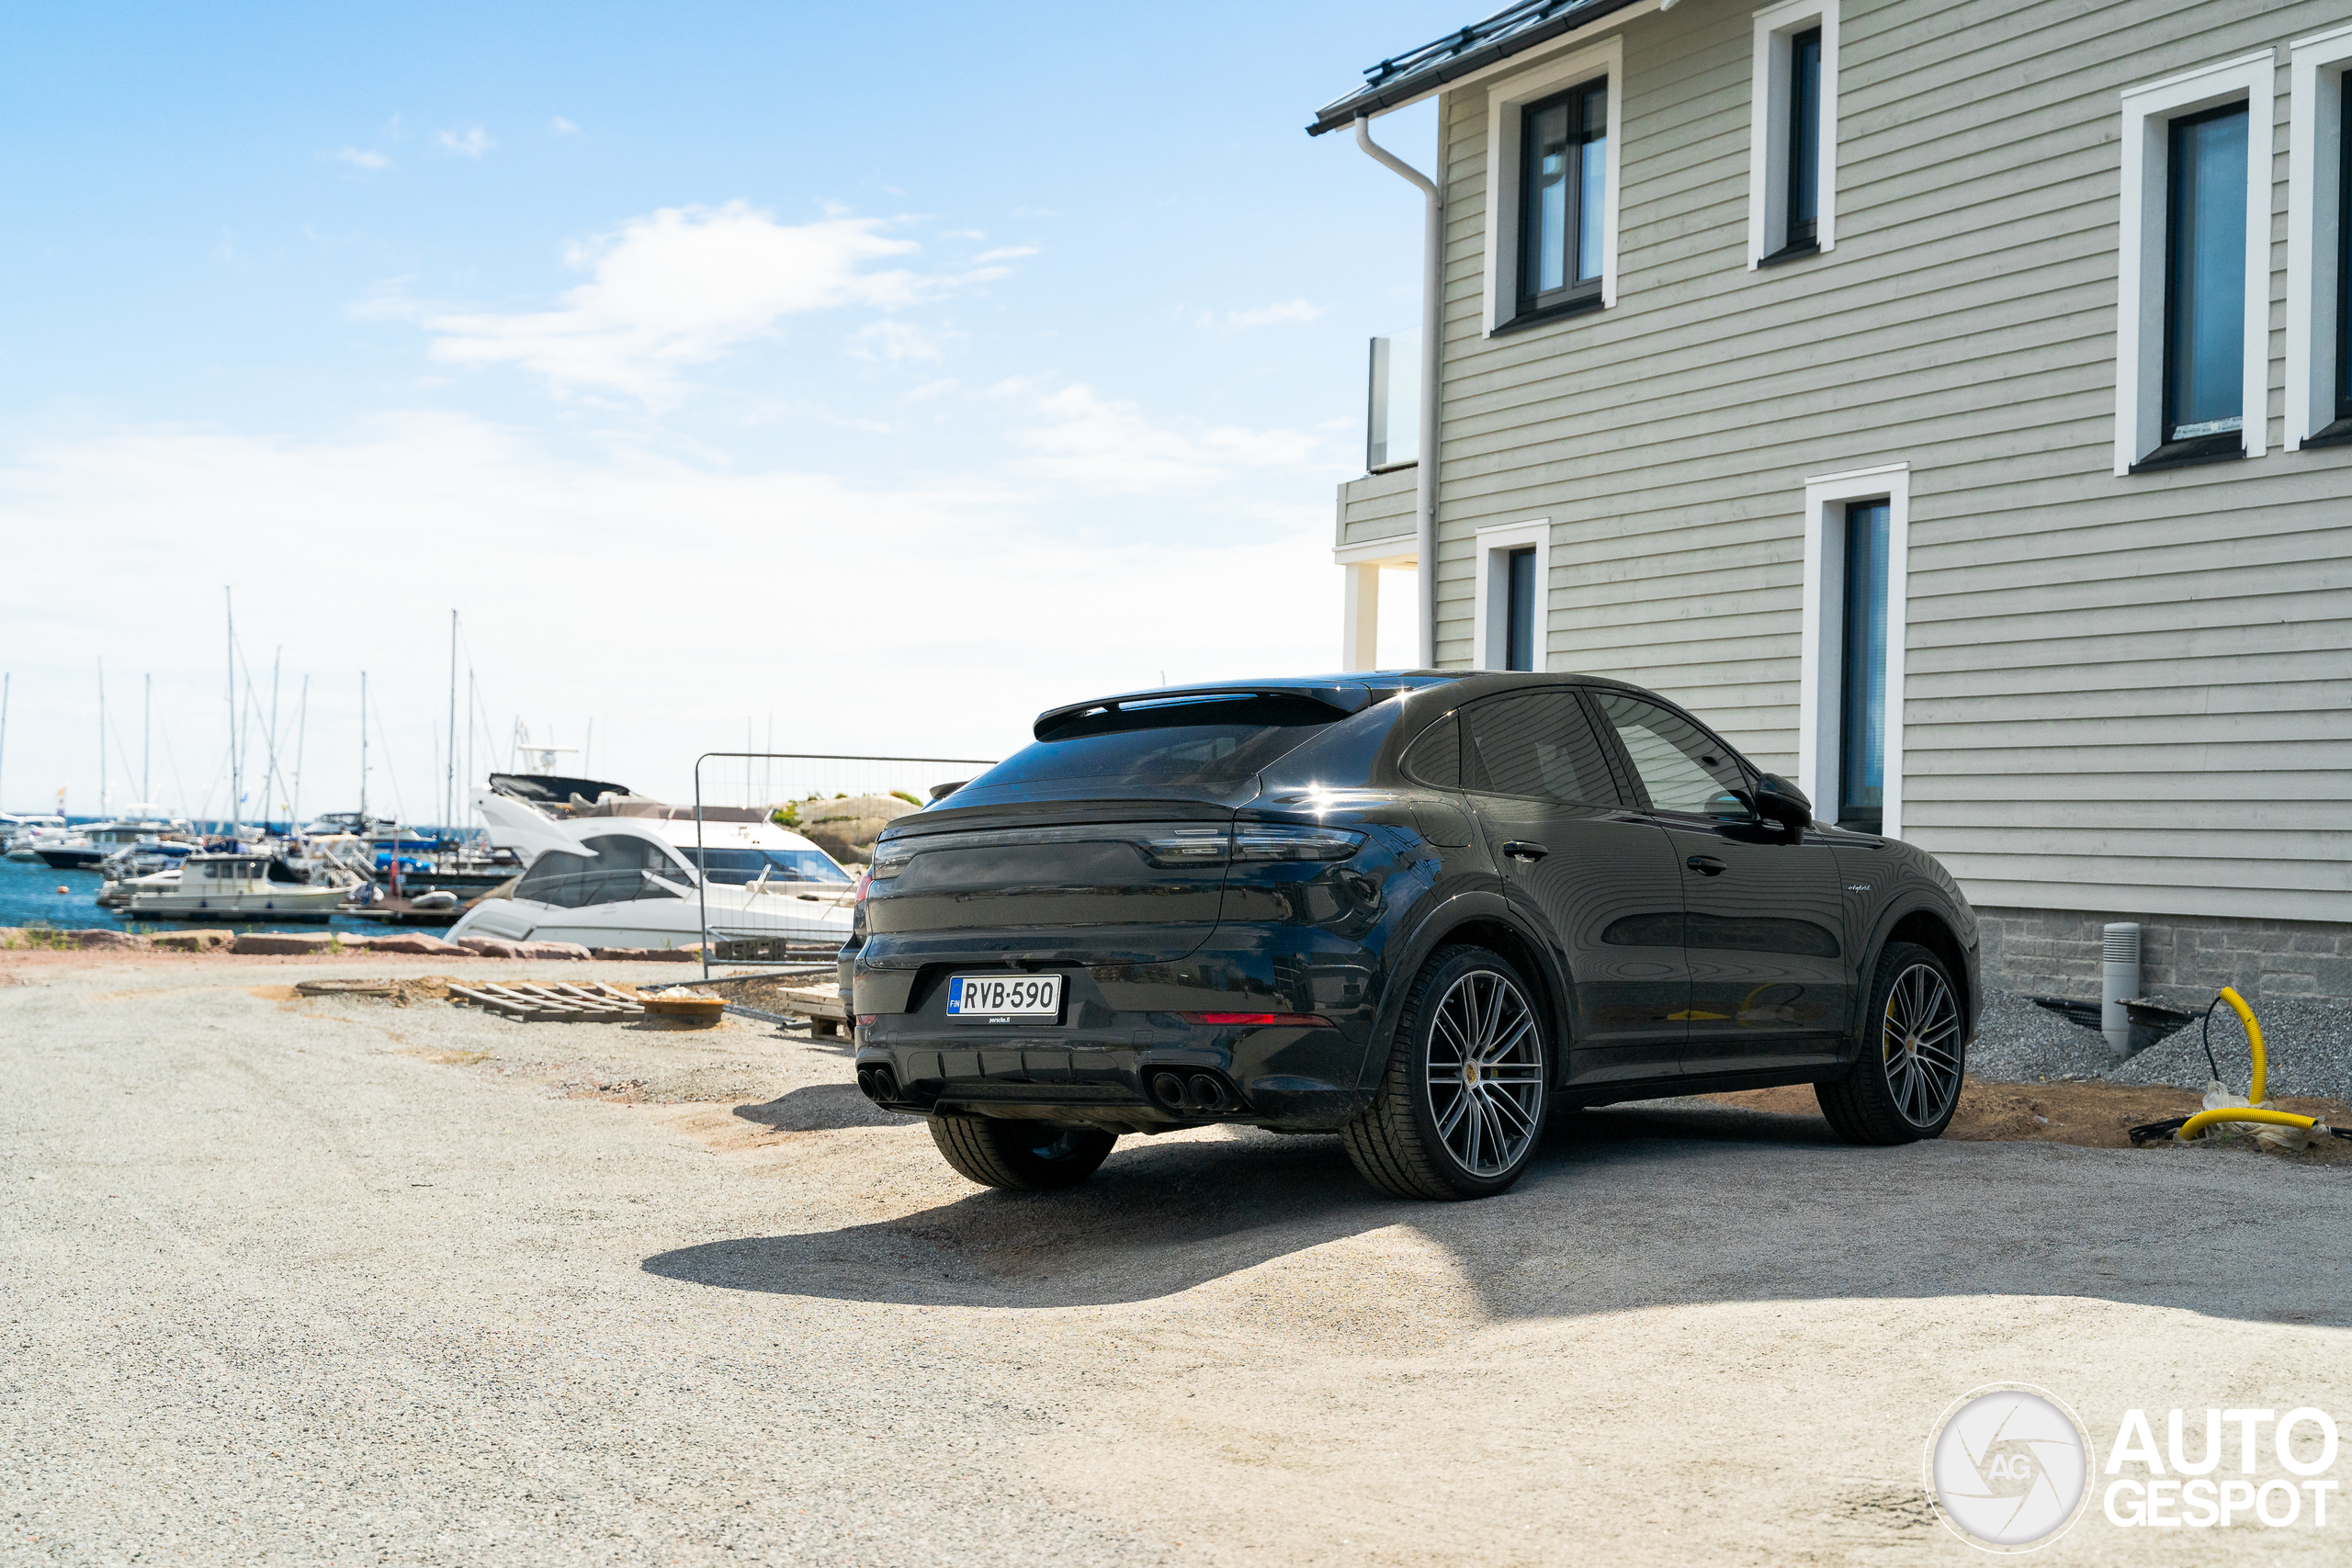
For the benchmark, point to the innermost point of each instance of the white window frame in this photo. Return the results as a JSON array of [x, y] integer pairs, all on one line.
[[2315, 71], [1492, 558], [1821, 667], [1768, 140], [1504, 137], [2148, 113]]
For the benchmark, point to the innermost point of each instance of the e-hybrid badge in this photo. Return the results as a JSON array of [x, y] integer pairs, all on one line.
[[1004, 999]]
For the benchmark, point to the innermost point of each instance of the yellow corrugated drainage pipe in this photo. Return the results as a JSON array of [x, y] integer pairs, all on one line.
[[2187, 1128]]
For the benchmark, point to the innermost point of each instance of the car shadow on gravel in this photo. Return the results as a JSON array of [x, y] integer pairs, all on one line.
[[820, 1107], [1662, 1203]]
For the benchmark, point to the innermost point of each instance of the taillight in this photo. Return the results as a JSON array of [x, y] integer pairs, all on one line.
[[1259, 1020], [1272, 840], [888, 860], [864, 881]]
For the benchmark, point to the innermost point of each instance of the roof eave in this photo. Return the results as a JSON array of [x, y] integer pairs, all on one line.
[[1404, 89]]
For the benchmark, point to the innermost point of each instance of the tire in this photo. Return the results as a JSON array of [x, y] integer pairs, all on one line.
[[1905, 1083], [1024, 1156], [1447, 1122]]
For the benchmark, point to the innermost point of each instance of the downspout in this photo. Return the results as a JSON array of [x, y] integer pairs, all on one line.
[[1425, 474]]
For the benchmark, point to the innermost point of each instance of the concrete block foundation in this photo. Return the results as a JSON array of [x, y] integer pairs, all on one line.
[[2056, 952]]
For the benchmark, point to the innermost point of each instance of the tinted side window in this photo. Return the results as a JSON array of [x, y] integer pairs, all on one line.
[[1436, 758], [1538, 745], [556, 878], [623, 852], [1680, 766]]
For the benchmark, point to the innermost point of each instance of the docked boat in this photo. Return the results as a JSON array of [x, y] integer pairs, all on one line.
[[237, 886], [607, 867], [26, 835], [86, 847], [141, 868]]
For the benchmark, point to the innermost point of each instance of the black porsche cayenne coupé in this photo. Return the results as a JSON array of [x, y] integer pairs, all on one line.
[[1420, 910]]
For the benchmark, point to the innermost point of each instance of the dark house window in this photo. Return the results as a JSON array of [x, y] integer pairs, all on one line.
[[1565, 159], [1804, 141], [2344, 261], [2205, 321], [1519, 628], [1862, 729]]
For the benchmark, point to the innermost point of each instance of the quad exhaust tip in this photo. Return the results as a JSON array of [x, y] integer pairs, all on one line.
[[878, 1084], [1196, 1094]]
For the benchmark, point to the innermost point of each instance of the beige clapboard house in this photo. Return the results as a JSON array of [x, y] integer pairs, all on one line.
[[1943, 399]]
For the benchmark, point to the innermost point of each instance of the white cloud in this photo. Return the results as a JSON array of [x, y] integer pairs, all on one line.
[[360, 158], [685, 286], [559, 126], [1269, 315], [1107, 445], [1006, 253], [470, 142], [895, 341], [665, 598]]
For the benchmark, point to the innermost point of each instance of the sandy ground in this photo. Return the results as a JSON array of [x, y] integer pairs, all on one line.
[[293, 1281]]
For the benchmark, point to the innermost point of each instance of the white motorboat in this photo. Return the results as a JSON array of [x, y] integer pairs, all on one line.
[[234, 887], [28, 835], [610, 868], [85, 847], [141, 868]]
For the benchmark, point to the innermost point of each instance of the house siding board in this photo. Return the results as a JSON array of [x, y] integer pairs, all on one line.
[[2133, 687]]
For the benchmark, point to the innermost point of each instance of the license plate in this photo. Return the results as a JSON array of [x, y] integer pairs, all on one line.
[[1004, 999]]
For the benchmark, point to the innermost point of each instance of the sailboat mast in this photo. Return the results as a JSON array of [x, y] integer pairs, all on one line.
[[146, 736], [3, 720], [363, 750], [449, 791], [301, 729], [102, 737], [236, 763]]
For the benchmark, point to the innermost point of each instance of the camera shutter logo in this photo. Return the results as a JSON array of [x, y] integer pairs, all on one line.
[[2010, 1466]]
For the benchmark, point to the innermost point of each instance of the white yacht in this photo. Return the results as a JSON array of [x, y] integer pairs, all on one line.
[[138, 868], [607, 867], [235, 887], [27, 835], [85, 847]]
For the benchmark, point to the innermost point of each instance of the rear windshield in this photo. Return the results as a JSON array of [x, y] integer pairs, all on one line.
[[1183, 741]]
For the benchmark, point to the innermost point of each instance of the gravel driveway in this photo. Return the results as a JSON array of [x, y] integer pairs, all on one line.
[[309, 1281]]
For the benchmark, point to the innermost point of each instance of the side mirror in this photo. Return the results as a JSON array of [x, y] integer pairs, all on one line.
[[1778, 800]]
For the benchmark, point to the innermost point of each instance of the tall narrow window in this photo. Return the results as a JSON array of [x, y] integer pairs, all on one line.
[[1861, 746], [1804, 140], [1519, 631], [2205, 321], [1565, 160], [2344, 257]]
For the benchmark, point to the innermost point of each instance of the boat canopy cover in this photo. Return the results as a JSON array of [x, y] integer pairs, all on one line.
[[589, 797], [548, 789]]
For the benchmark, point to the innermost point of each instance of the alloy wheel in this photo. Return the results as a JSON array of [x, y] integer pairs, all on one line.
[[1486, 1073], [1920, 1041]]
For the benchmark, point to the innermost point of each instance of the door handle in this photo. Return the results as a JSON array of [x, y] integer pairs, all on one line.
[[1706, 865], [1519, 849]]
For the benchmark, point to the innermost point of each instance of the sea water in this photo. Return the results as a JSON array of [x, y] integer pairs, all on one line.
[[29, 896]]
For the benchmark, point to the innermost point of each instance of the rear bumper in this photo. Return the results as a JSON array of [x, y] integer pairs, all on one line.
[[1292, 1079], [1121, 1025]]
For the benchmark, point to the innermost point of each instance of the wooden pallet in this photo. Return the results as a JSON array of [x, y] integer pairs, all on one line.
[[594, 1002], [822, 1006]]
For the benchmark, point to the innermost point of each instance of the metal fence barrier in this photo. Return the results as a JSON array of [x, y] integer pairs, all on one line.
[[800, 791]]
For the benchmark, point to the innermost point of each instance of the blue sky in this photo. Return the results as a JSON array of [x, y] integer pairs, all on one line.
[[897, 371]]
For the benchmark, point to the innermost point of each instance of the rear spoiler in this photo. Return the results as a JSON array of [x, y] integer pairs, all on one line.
[[1342, 700]]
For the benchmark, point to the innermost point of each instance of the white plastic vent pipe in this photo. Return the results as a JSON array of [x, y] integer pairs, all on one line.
[[1425, 468], [2118, 983]]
